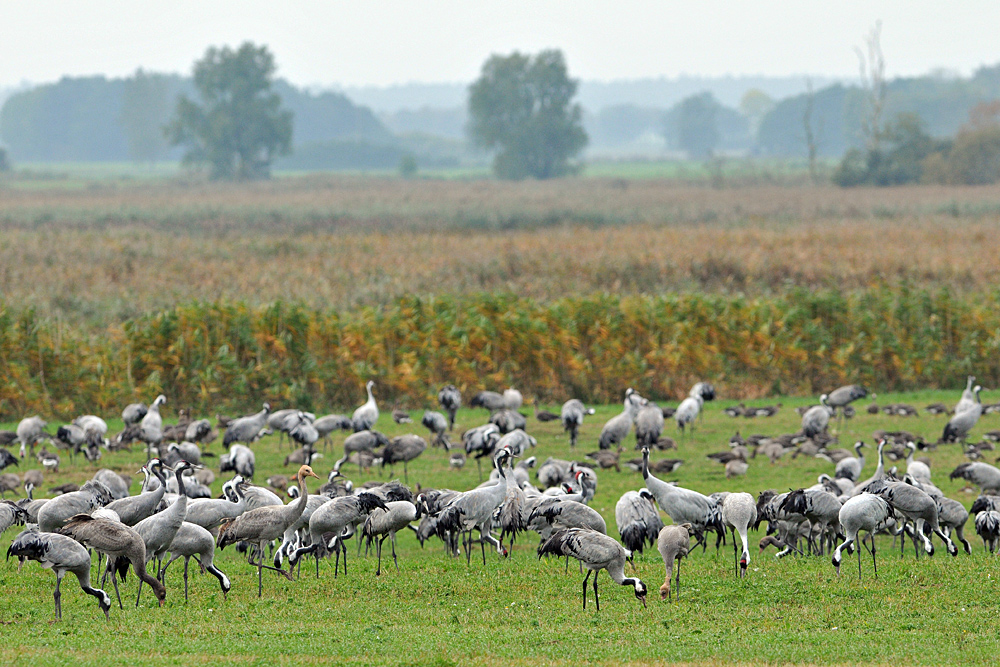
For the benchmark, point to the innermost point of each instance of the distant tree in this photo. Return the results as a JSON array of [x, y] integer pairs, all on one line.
[[145, 108], [755, 105], [408, 166], [872, 71], [697, 131], [812, 148], [4, 160], [522, 108], [239, 127], [905, 150], [975, 156]]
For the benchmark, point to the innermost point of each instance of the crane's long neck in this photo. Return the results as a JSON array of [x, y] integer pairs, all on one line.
[[880, 469], [616, 570], [297, 506]]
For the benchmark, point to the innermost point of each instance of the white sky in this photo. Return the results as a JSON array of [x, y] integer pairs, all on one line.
[[399, 41]]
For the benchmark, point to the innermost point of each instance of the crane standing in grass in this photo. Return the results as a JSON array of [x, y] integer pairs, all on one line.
[[596, 552]]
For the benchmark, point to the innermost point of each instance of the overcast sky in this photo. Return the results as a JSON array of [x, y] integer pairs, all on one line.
[[394, 41]]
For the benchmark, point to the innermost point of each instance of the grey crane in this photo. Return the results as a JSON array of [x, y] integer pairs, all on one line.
[[450, 399], [918, 469], [29, 431], [738, 513], [9, 482], [264, 524], [294, 533], [637, 519], [133, 413], [648, 426], [512, 399], [490, 400], [879, 471], [851, 466], [364, 417], [92, 423], [152, 422], [952, 515], [361, 441], [617, 428], [198, 431], [305, 454], [11, 515], [276, 422], [473, 510], [555, 472], [988, 528], [33, 479], [820, 508], [255, 496], [968, 398], [328, 424], [663, 466], [572, 413], [673, 543], [919, 508], [403, 449], [511, 514], [61, 554], [958, 427], [683, 505], [210, 513], [158, 530], [397, 515], [340, 515], [121, 544], [7, 459], [558, 512], [983, 475], [816, 419], [840, 398], [437, 423], [246, 429], [191, 540], [862, 512], [688, 411], [597, 552], [543, 415], [482, 440], [116, 485], [240, 460], [517, 441], [57, 511], [182, 451], [508, 420], [133, 509]]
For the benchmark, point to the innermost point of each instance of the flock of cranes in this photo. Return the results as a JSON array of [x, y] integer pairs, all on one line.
[[174, 515]]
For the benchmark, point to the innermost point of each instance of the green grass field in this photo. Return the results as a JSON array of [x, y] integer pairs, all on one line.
[[437, 611]]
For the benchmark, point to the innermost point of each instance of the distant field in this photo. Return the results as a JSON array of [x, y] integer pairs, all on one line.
[[106, 249], [438, 611]]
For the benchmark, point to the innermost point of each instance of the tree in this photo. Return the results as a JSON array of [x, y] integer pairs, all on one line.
[[906, 150], [755, 105], [4, 160], [145, 108], [697, 132], [522, 108], [240, 126], [872, 72]]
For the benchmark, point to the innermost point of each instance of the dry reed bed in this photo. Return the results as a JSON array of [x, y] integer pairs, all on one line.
[[97, 276]]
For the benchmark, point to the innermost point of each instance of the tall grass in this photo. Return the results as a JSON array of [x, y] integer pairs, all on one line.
[[231, 356]]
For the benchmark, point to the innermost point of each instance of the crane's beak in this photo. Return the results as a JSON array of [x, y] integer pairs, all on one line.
[[642, 599]]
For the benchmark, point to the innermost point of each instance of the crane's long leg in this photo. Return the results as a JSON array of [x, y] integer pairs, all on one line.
[[58, 596], [186, 560], [874, 564], [678, 596], [597, 599], [482, 545], [378, 548], [585, 579], [736, 559], [859, 560], [406, 473], [392, 541]]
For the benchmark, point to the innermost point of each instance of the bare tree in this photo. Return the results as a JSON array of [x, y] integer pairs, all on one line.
[[811, 146], [872, 70]]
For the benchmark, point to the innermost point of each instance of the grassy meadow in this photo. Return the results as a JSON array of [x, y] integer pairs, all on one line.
[[438, 611], [110, 250]]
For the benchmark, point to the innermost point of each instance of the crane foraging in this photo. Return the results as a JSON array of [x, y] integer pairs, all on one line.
[[596, 552]]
